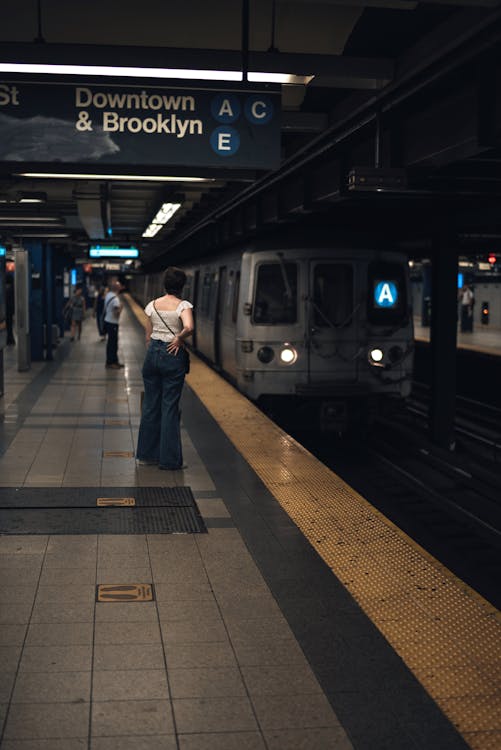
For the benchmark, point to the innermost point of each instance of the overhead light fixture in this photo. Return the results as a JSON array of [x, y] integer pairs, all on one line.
[[136, 177], [23, 197], [161, 218], [41, 235], [126, 72], [285, 78], [33, 219], [176, 73]]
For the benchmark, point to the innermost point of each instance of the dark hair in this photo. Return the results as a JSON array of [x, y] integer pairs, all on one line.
[[174, 280]]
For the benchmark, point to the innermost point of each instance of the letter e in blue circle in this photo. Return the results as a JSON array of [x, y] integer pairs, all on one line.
[[258, 109], [385, 294], [225, 141], [225, 108]]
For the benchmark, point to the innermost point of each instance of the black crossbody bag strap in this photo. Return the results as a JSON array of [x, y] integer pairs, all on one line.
[[108, 304], [163, 321]]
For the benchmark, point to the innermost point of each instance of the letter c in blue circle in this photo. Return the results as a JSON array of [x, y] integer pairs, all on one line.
[[225, 108], [225, 141], [258, 109]]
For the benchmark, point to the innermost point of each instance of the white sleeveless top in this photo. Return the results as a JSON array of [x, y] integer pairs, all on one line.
[[171, 317]]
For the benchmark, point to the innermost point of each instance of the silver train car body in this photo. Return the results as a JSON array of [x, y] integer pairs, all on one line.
[[328, 330]]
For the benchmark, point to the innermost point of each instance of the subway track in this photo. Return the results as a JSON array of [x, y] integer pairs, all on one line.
[[449, 503]]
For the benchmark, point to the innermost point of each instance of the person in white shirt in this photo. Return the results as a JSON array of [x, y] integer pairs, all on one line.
[[467, 300], [112, 310], [169, 324]]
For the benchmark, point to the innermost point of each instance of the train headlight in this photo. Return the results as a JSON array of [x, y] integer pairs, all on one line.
[[288, 355], [265, 354], [376, 356]]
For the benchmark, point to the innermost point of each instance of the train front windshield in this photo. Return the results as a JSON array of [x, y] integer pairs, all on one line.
[[333, 294], [275, 299], [387, 298]]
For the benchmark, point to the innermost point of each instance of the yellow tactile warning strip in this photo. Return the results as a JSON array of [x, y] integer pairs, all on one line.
[[448, 635], [117, 454], [125, 592], [111, 502]]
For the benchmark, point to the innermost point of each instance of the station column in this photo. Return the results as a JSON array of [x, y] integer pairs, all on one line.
[[443, 341]]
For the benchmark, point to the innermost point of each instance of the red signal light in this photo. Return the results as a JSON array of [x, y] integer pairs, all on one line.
[[491, 258]]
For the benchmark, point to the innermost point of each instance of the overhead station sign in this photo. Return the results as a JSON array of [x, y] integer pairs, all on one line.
[[113, 251], [121, 124]]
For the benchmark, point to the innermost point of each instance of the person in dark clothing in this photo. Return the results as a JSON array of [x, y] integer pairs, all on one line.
[[10, 308], [99, 311]]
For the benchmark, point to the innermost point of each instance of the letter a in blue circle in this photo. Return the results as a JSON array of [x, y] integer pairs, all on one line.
[[386, 294], [225, 141], [225, 108]]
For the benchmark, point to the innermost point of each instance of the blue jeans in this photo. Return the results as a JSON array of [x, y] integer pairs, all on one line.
[[159, 431]]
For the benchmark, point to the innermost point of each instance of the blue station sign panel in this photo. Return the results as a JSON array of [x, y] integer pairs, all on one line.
[[120, 124], [113, 251]]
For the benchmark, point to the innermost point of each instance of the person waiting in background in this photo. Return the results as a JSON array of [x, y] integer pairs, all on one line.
[[77, 307], [9, 308], [99, 310], [112, 310], [467, 301]]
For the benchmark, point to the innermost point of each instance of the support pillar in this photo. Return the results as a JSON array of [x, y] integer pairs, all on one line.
[[36, 301], [443, 342], [49, 302]]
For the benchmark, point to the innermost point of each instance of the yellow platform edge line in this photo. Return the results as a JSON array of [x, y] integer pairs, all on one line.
[[342, 525]]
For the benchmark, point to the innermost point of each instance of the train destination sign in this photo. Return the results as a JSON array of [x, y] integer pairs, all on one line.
[[122, 124]]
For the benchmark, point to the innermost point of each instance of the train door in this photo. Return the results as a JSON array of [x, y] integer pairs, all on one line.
[[332, 322], [218, 328]]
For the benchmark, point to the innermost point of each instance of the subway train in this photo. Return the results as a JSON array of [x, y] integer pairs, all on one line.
[[323, 334]]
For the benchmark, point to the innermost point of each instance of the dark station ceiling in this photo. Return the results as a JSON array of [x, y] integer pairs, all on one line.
[[399, 123]]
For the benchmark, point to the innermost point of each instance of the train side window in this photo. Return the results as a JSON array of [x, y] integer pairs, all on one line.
[[333, 294], [236, 294], [387, 295], [275, 299]]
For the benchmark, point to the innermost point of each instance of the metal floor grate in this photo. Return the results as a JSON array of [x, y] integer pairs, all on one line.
[[72, 510]]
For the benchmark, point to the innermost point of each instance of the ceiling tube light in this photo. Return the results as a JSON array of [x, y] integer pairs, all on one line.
[[137, 177], [164, 73], [163, 215], [126, 72], [285, 78], [41, 235]]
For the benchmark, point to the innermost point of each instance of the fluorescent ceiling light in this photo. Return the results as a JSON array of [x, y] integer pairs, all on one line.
[[177, 73], [138, 177], [127, 72], [152, 230], [41, 235], [286, 78], [163, 215], [13, 217]]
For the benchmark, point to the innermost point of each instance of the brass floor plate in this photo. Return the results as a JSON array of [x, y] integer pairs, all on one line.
[[117, 454], [114, 502], [125, 592]]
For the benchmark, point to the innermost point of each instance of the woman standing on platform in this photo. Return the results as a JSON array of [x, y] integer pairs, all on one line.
[[170, 322]]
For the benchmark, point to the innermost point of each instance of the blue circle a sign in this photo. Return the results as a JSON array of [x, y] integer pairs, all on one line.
[[385, 294]]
